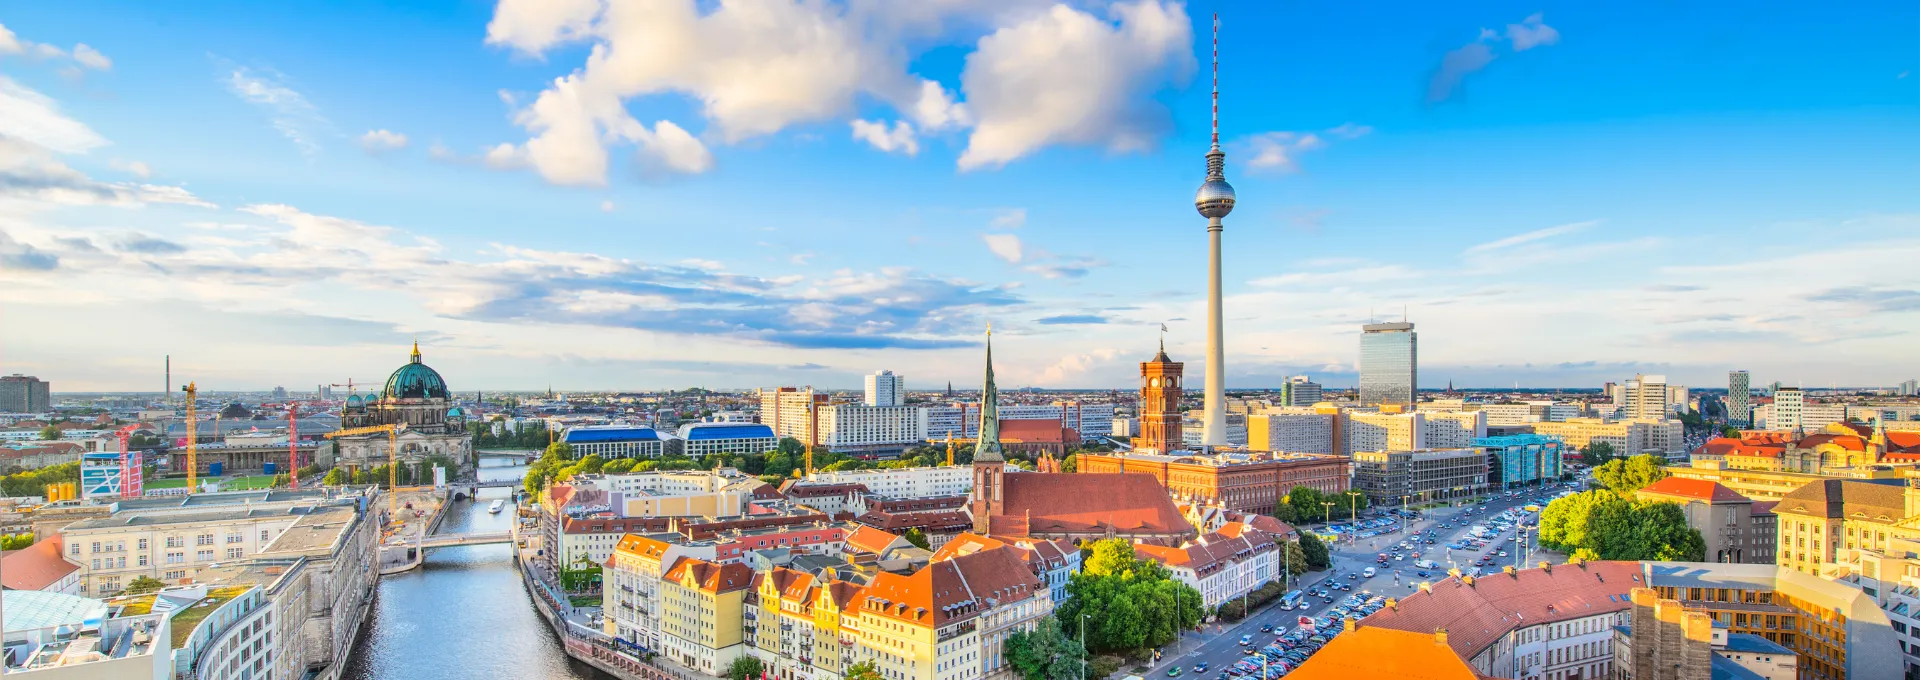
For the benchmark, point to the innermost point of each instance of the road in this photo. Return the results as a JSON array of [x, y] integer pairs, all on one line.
[[1219, 646]]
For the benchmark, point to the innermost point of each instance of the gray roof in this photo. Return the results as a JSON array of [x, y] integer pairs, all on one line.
[[1725, 669], [1845, 498], [131, 519], [1754, 644], [36, 609]]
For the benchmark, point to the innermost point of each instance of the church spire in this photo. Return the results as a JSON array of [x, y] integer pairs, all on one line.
[[415, 357], [987, 449]]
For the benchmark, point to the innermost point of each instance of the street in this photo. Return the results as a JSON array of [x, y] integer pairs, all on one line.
[[1218, 646]]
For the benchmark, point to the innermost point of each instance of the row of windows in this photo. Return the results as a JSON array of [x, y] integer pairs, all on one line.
[[171, 542]]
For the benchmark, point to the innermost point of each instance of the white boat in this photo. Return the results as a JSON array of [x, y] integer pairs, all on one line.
[[495, 508]]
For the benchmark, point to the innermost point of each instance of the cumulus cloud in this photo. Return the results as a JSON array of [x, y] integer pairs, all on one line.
[[1004, 246], [1472, 57], [135, 168], [382, 140], [1023, 96], [875, 132], [291, 114], [91, 58]]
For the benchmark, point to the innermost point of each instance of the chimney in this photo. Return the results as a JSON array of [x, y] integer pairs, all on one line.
[[1440, 636], [1467, 580], [1348, 626], [1508, 570], [1454, 572], [1393, 604], [1426, 587], [1548, 566]]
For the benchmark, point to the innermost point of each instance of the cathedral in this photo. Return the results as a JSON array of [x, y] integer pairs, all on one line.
[[417, 400], [1075, 507]]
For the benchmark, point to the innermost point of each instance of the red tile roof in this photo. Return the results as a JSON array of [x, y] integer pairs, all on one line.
[[1033, 430], [710, 577], [1696, 489], [1763, 507], [36, 566], [1478, 614], [1086, 502], [1723, 446], [863, 538], [1845, 441]]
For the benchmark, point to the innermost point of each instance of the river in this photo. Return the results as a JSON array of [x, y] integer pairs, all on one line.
[[463, 614]]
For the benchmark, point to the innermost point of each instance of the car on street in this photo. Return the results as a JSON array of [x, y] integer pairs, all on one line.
[[1200, 667], [1173, 672], [1246, 640], [1503, 553]]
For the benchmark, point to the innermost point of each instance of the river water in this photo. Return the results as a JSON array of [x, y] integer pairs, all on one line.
[[463, 614]]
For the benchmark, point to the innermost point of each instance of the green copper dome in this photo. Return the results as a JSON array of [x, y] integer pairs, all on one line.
[[416, 381]]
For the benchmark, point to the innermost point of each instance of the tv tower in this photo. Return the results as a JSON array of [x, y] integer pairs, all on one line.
[[1214, 200]]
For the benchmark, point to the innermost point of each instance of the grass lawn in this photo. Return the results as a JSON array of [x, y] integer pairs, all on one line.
[[585, 600], [231, 483]]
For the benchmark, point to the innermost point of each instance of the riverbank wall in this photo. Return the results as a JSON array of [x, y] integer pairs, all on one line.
[[584, 644]]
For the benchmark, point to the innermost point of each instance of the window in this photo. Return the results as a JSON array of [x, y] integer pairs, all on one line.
[[176, 542], [96, 546], [143, 560], [75, 549], [234, 553], [203, 539], [143, 544], [203, 556]]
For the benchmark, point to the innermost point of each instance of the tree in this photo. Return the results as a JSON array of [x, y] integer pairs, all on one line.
[[619, 466], [1294, 557], [335, 477], [1597, 453], [16, 541], [918, 538], [1730, 432], [51, 432], [143, 584], [1307, 504], [1348, 505], [864, 670], [1283, 511], [1046, 653], [1602, 525], [1315, 551], [1071, 464], [1627, 475], [1130, 603], [745, 668]]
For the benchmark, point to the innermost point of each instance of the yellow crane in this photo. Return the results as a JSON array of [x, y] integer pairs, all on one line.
[[949, 449], [393, 460], [193, 439]]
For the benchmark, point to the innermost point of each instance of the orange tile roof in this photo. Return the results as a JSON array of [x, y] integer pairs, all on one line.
[[1844, 441], [952, 590], [710, 577], [1477, 615], [867, 539], [1696, 489], [641, 546], [1387, 654], [1750, 446], [36, 566]]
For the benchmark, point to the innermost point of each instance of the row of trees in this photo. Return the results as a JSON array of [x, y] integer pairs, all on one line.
[[1605, 525], [1596, 454], [1306, 505], [409, 474], [531, 435], [1127, 603], [34, 482]]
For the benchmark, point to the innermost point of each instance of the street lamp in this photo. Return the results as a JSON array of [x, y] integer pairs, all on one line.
[[1083, 645], [1328, 512], [1353, 515]]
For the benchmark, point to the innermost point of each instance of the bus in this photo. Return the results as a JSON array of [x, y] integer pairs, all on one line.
[[1292, 600]]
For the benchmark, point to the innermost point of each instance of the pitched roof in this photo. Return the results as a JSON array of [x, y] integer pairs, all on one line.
[[1765, 447], [36, 566], [1763, 507], [1479, 613], [1372, 652], [1081, 502], [864, 538], [1849, 442], [1845, 498], [1210, 552], [1696, 489], [952, 590], [710, 577], [642, 546], [930, 522]]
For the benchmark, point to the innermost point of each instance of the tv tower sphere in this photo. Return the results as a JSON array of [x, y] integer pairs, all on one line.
[[1215, 198]]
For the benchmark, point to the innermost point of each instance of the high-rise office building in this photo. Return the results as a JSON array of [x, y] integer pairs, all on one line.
[[1648, 396], [1299, 391], [886, 389], [1910, 388], [1389, 364], [1789, 405], [1739, 399], [24, 394]]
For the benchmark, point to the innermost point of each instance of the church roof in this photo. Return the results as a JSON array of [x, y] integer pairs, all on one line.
[[1085, 502], [415, 380]]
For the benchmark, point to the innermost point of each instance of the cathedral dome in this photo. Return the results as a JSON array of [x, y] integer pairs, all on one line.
[[415, 381]]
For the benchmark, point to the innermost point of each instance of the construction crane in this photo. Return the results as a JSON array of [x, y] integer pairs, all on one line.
[[293, 444], [193, 437], [393, 460], [949, 449]]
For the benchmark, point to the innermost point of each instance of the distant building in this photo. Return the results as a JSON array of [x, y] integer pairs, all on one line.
[[1389, 364], [1244, 482], [1517, 460], [1787, 412], [962, 420], [869, 430], [1370, 431], [1388, 477], [1294, 430], [1627, 437], [1739, 399], [886, 389], [614, 441], [417, 397], [919, 482], [25, 394], [1299, 391], [1452, 429], [698, 440], [790, 411]]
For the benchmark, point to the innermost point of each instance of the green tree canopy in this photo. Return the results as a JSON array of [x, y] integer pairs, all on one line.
[[1046, 653], [1308, 504], [1294, 557], [1597, 453], [745, 668], [1627, 475], [864, 670], [51, 432], [1318, 557], [1129, 603], [619, 466], [1602, 525], [143, 584], [918, 538]]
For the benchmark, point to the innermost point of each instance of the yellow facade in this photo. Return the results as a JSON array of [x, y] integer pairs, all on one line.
[[702, 624]]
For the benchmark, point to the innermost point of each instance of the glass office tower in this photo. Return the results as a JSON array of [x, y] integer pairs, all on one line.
[[1389, 364]]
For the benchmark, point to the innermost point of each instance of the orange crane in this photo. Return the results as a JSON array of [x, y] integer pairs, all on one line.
[[393, 459], [193, 438]]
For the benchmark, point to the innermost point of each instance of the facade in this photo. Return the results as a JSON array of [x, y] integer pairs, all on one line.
[[615, 441], [25, 394], [1823, 520], [417, 398], [1553, 622], [174, 546], [632, 611], [1370, 431], [1299, 391], [886, 389], [1666, 640], [698, 440], [1294, 430], [701, 605], [1627, 437], [1837, 631], [870, 430], [962, 420], [1739, 399], [1650, 397], [1787, 412], [1222, 565], [1237, 481], [1387, 477], [108, 475], [1452, 429], [946, 480], [1160, 420], [1773, 485], [1736, 529], [791, 411], [1389, 365], [1521, 459]]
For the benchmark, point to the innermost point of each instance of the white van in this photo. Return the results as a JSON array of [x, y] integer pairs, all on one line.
[[1367, 573]]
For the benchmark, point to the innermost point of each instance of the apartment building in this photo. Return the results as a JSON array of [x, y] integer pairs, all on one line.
[[870, 430], [615, 441], [1223, 565], [1394, 477], [792, 411], [886, 389], [1520, 459], [1627, 437], [698, 440], [1736, 528], [1376, 431], [1294, 430], [104, 644], [1246, 482], [1837, 631], [701, 605], [924, 482], [1666, 640], [962, 420], [1452, 429], [632, 585]]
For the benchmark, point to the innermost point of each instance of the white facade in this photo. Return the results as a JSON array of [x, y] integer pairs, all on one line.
[[859, 425], [1649, 396], [886, 389], [1292, 430], [1453, 429], [963, 420], [1506, 415], [1369, 431], [945, 480], [166, 547], [1573, 648]]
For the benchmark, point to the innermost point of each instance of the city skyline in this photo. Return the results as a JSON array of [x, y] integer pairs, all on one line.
[[271, 209]]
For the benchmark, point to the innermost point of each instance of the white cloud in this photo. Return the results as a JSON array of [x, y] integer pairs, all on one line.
[[1011, 218], [33, 117], [91, 58], [1065, 76], [504, 157], [135, 168], [936, 109], [31, 173], [10, 43], [377, 141], [1277, 150], [532, 26], [571, 122], [292, 115], [1530, 33], [1531, 236], [1005, 246], [875, 132], [606, 206]]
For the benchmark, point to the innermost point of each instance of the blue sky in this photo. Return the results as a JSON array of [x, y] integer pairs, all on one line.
[[735, 194]]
